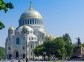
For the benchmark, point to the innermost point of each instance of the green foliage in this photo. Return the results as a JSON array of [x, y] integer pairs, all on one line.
[[2, 53], [38, 50], [69, 46], [1, 25], [44, 48], [61, 47], [82, 45], [60, 51], [4, 6], [48, 48]]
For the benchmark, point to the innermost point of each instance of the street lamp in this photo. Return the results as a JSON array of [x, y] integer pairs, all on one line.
[[44, 53], [33, 57]]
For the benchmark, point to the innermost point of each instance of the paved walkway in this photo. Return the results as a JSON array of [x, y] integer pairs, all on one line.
[[41, 61]]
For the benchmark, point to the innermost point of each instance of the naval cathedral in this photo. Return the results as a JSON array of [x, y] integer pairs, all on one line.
[[29, 34]]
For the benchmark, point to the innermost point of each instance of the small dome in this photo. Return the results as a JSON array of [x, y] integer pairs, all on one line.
[[11, 28], [25, 27], [31, 13], [32, 37], [42, 30]]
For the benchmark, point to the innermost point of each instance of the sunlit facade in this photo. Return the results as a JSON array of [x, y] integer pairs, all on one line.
[[26, 36]]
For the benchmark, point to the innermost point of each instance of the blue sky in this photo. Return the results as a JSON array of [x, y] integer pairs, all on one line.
[[60, 17]]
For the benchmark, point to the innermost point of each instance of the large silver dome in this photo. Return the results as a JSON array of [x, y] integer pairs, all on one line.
[[31, 17], [31, 13]]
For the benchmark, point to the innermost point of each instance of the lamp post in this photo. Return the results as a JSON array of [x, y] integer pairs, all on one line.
[[34, 58], [44, 53]]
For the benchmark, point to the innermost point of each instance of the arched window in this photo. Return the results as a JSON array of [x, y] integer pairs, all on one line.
[[9, 48], [23, 55], [10, 56], [36, 21], [17, 41], [32, 38], [17, 54], [28, 21], [32, 21]]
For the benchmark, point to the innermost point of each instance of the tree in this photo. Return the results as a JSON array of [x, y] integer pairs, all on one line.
[[47, 47], [4, 6], [2, 53], [60, 51], [1, 25], [38, 50], [69, 45], [60, 47], [82, 44], [52, 47]]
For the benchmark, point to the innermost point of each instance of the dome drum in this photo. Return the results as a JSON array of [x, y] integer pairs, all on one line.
[[30, 21]]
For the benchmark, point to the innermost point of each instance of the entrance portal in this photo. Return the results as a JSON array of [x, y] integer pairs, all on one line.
[[10, 56], [17, 54], [23, 55]]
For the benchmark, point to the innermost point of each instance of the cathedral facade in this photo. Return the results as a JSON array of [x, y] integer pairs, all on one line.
[[29, 34]]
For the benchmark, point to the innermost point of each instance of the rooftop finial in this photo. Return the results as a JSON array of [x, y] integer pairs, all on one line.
[[30, 4]]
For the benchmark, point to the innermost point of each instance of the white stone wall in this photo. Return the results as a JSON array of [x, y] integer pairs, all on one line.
[[11, 42], [35, 35]]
